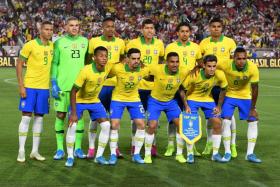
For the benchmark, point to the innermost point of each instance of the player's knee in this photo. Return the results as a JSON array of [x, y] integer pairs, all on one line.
[[217, 125], [29, 114], [61, 115]]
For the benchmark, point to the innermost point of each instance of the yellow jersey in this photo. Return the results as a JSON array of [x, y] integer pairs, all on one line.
[[222, 49], [199, 87], [188, 55], [239, 82], [165, 84], [38, 58], [150, 54], [115, 49], [89, 82], [126, 89]]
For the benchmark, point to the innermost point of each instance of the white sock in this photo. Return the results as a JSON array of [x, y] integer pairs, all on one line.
[[233, 130], [103, 138], [133, 131], [252, 135], [22, 131], [189, 148], [209, 131], [216, 138], [37, 130], [171, 128], [70, 140], [180, 144], [114, 136], [92, 134], [139, 140], [149, 138], [226, 132]]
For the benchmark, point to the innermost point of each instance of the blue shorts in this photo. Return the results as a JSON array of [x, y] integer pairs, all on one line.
[[96, 110], [135, 110], [36, 101], [105, 96], [243, 105], [216, 93], [170, 108], [144, 96], [206, 107]]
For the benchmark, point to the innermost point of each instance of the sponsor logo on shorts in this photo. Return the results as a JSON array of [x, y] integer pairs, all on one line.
[[22, 104]]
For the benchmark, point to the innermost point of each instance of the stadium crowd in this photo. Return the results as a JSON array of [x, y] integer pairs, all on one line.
[[252, 23]]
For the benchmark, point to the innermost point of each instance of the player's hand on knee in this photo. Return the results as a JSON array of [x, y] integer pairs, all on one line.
[[254, 113], [22, 92], [73, 119], [55, 89]]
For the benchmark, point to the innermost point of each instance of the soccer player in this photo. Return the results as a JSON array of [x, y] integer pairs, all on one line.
[[167, 79], [222, 47], [34, 91], [152, 53], [115, 47], [125, 95], [84, 96], [198, 90], [69, 58], [189, 54], [242, 93]]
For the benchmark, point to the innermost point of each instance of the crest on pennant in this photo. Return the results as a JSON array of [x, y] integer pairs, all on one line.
[[190, 127]]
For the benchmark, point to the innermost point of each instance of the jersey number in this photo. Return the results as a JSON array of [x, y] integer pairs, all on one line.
[[147, 60], [185, 60], [45, 60], [169, 87], [75, 54], [129, 85]]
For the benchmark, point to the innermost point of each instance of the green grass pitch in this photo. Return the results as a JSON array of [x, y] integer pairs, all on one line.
[[163, 172]]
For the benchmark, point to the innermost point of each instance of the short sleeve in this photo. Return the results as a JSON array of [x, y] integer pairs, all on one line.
[[81, 78], [161, 48], [25, 51], [222, 81], [91, 46], [255, 74]]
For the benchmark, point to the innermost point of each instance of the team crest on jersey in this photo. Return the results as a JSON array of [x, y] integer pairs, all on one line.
[[22, 104], [215, 50], [74, 46], [170, 80], [116, 48], [223, 49], [192, 53], [131, 78], [245, 77], [148, 51], [185, 53], [46, 53], [155, 52], [83, 45]]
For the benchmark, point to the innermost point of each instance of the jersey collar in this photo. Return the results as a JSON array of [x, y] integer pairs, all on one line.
[[180, 43], [142, 39], [127, 69], [71, 37], [39, 41], [167, 72], [220, 39], [95, 70], [234, 68], [202, 74], [104, 39]]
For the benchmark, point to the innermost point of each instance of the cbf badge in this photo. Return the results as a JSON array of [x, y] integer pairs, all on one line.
[[190, 127]]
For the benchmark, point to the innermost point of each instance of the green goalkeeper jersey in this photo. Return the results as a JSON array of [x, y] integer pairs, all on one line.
[[68, 60]]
